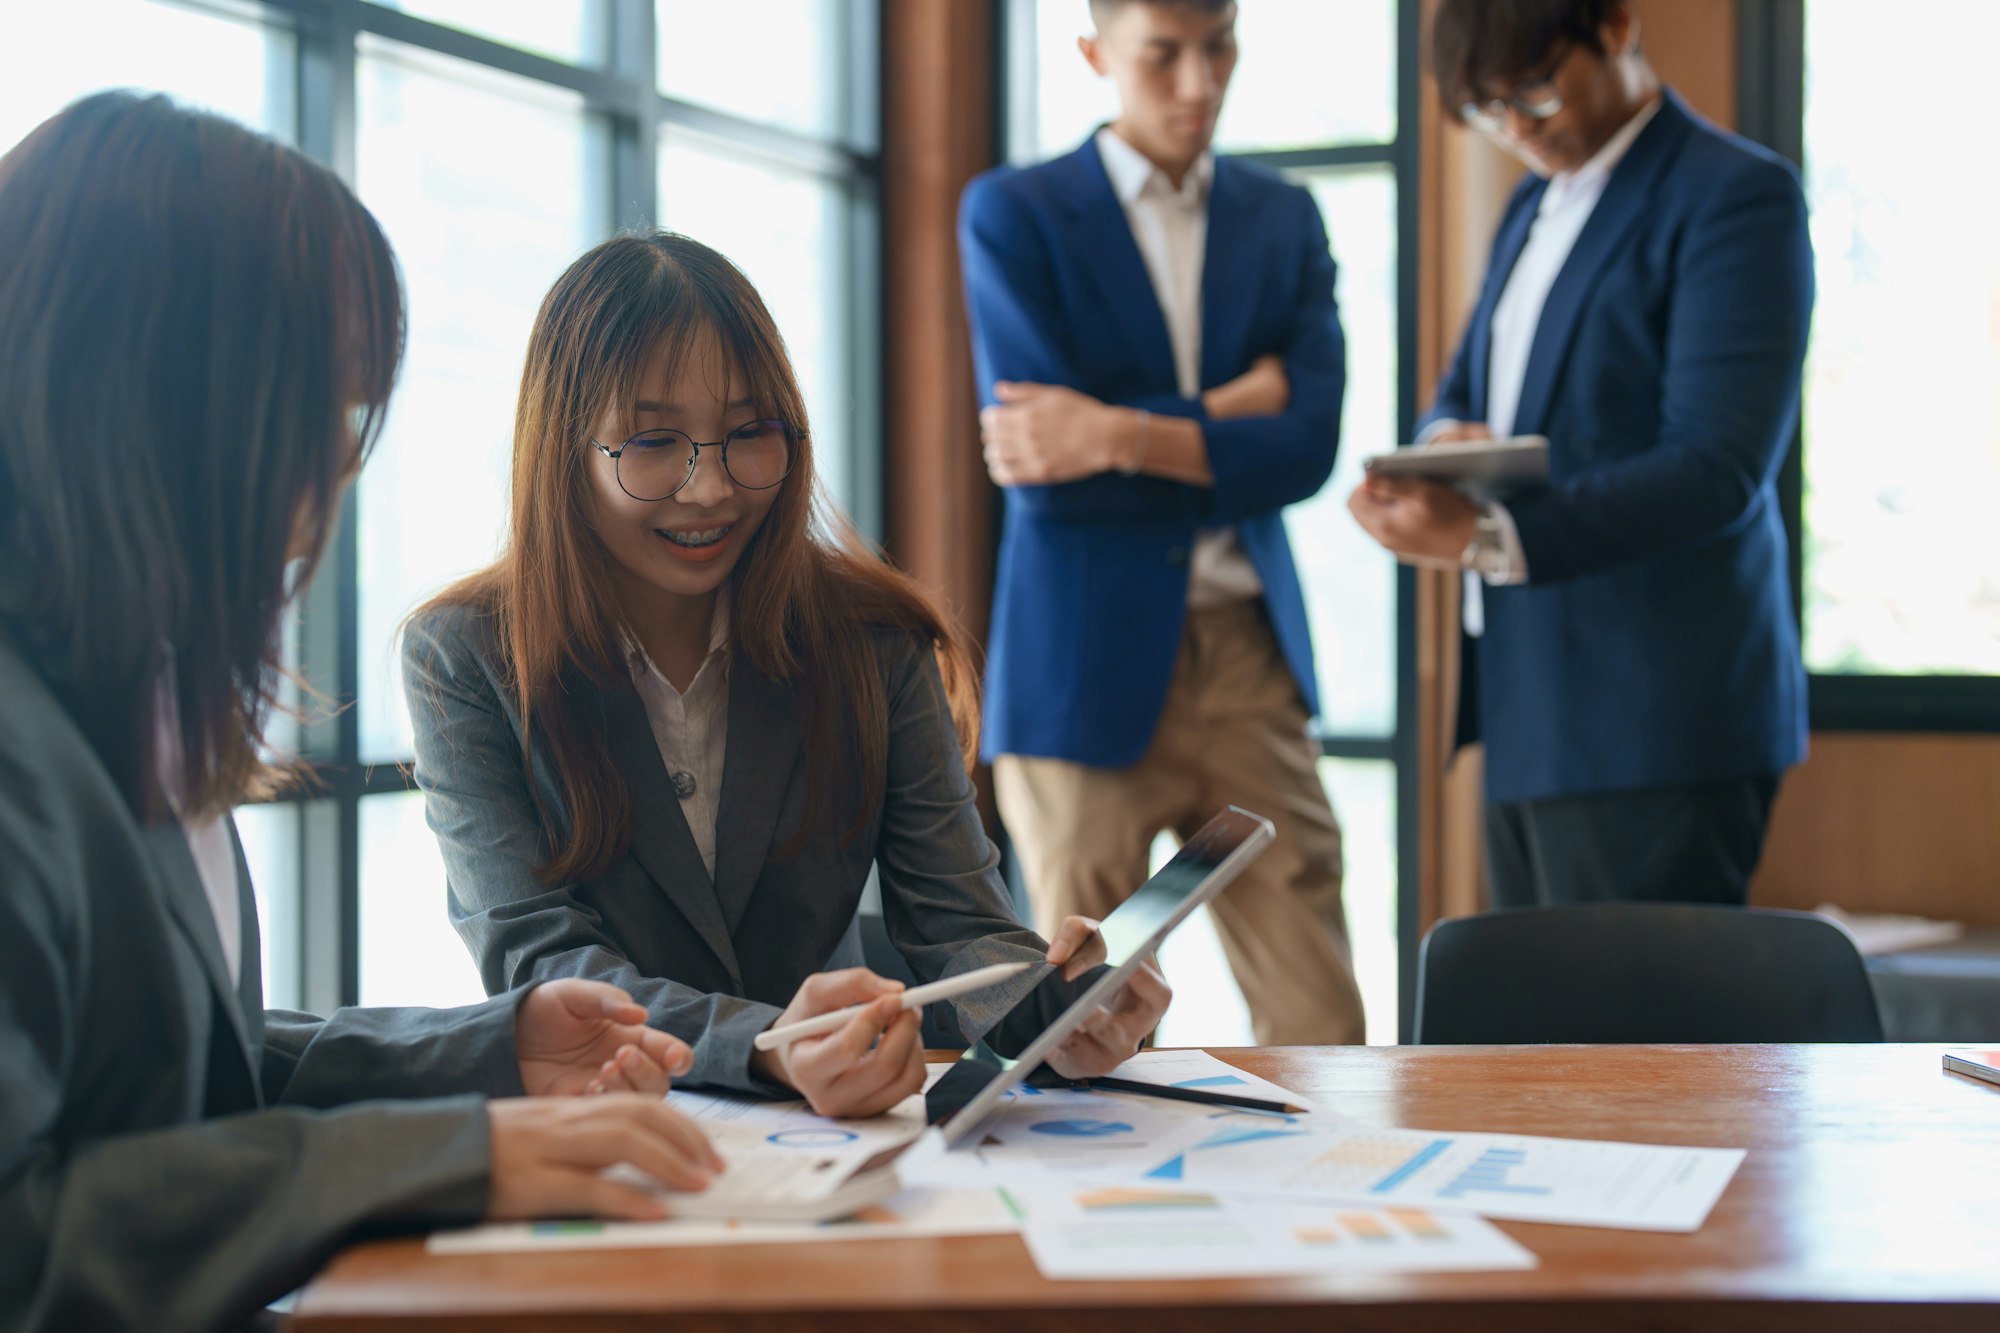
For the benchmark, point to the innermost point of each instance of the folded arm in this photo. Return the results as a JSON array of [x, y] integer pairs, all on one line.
[[1276, 456]]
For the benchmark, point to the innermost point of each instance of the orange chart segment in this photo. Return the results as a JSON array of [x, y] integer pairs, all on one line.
[[1128, 1199]]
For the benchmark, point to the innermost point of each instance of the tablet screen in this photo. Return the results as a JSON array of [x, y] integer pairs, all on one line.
[[1202, 868]]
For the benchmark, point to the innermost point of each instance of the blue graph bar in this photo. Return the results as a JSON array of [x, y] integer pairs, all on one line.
[[1411, 1167], [1488, 1175]]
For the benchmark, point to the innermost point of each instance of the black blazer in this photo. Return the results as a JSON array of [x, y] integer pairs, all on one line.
[[167, 1158]]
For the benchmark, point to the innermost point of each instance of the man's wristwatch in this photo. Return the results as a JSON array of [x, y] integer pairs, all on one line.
[[1486, 554]]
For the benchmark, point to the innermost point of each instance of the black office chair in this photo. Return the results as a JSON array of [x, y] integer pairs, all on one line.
[[1642, 972]]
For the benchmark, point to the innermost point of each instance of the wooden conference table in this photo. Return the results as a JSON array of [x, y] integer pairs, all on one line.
[[1870, 1199]]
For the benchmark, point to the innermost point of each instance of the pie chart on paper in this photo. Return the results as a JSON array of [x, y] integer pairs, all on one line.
[[1081, 1129], [812, 1138]]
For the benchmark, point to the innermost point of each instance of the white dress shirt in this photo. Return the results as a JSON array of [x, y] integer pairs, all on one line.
[[208, 842], [1565, 208], [1171, 228], [691, 728]]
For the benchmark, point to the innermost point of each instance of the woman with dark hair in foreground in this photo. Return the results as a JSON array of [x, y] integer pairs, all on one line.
[[199, 329]]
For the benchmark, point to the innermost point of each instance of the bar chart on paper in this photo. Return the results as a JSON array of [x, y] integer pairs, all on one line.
[[1141, 1231], [1639, 1186]]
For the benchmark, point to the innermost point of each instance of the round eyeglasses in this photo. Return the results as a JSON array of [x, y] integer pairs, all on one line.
[[653, 464], [1537, 99]]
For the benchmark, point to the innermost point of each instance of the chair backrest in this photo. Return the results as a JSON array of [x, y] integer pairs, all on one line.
[[1642, 972]]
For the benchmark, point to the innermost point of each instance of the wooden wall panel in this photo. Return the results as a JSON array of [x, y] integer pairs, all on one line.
[[1889, 823], [937, 134]]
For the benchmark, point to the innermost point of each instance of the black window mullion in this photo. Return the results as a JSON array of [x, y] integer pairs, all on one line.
[[635, 161], [1409, 774], [329, 631]]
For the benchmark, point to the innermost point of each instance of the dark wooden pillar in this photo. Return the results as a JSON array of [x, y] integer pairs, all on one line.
[[937, 133]]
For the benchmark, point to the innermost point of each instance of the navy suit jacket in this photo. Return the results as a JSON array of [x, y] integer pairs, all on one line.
[[1655, 642], [1091, 592]]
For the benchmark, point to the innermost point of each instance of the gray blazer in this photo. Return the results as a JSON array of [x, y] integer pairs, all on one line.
[[169, 1153], [714, 962]]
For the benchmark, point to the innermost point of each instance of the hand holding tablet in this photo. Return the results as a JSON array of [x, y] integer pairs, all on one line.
[[1484, 469]]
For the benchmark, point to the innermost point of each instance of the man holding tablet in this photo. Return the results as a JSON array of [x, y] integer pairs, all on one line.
[[1634, 671]]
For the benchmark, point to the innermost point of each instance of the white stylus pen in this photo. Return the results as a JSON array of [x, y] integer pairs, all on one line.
[[914, 998]]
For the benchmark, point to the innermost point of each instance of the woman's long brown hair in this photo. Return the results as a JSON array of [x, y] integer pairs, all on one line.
[[807, 593], [199, 330]]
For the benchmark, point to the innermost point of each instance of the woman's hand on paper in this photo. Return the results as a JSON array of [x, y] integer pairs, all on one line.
[[549, 1155]]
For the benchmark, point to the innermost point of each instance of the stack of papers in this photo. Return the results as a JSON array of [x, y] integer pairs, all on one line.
[[1107, 1185]]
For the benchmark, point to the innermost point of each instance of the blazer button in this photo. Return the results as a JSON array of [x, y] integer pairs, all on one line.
[[1177, 556]]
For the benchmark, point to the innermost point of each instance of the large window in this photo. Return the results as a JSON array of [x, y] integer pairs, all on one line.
[[1321, 92], [495, 140], [1902, 399], [1899, 455]]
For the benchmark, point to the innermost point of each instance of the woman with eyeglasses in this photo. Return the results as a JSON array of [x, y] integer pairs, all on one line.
[[664, 739], [199, 329]]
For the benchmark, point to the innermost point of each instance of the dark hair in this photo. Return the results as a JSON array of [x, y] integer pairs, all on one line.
[[199, 329], [1489, 44], [807, 595], [1103, 9]]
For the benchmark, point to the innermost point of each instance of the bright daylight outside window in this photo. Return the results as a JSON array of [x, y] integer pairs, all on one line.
[[51, 55], [1902, 396]]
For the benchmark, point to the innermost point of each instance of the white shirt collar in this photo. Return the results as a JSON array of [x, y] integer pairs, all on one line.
[[1131, 172], [1598, 170], [640, 664]]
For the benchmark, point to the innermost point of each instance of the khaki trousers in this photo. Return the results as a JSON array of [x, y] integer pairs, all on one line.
[[1233, 733]]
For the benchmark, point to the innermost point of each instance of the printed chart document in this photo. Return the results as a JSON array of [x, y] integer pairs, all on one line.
[[1627, 1185], [1126, 1231], [744, 1130], [1199, 1069], [914, 1212], [1061, 1133]]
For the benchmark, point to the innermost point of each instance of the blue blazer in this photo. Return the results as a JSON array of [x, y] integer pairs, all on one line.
[[1654, 643], [1091, 590]]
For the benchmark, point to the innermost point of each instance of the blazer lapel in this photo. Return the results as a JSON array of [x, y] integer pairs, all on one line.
[[764, 744], [1624, 203], [1506, 254], [1100, 229], [187, 901], [1231, 276], [661, 841]]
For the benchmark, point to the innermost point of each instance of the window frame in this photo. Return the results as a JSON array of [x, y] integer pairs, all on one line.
[[624, 91], [1014, 123], [1771, 105]]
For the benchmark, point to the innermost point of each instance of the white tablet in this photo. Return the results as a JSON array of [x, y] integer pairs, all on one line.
[[834, 1179], [1203, 867], [1484, 469]]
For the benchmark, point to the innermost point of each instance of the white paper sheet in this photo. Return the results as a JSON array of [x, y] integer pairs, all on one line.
[[1584, 1182], [914, 1212], [1123, 1231], [1057, 1135], [1202, 1071]]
